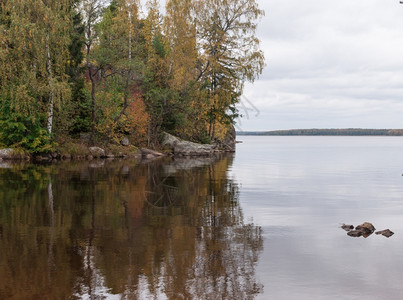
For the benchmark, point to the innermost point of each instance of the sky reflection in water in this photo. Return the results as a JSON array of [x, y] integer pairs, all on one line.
[[300, 190]]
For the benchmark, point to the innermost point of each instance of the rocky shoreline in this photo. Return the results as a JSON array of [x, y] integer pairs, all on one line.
[[173, 146]]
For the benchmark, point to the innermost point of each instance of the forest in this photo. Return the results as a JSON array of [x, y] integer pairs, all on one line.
[[106, 70]]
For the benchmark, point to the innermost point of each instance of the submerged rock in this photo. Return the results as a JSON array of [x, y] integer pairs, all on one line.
[[385, 232], [347, 227]]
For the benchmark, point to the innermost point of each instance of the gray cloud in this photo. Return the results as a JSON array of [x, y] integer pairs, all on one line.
[[329, 64]]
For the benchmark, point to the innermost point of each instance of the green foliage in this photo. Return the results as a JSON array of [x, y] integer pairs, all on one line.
[[96, 73], [81, 111], [25, 132], [158, 45]]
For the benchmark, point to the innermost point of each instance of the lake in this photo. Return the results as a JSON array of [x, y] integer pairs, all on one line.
[[263, 223]]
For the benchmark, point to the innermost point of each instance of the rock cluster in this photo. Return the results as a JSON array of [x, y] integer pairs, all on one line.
[[365, 230]]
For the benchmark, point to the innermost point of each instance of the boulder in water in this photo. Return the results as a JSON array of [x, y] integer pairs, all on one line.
[[385, 232], [366, 228], [355, 233], [347, 227]]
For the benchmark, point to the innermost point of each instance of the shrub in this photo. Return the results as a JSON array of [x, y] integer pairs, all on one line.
[[24, 132]]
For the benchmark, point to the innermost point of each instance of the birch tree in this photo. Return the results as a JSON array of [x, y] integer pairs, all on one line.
[[34, 53], [229, 53]]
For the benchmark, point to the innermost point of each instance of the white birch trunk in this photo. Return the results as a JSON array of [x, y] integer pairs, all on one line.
[[51, 92], [130, 38]]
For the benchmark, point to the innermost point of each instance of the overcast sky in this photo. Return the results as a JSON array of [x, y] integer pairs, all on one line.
[[330, 64]]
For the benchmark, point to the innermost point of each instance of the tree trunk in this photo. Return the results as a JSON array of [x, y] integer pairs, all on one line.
[[91, 75], [92, 104], [51, 93]]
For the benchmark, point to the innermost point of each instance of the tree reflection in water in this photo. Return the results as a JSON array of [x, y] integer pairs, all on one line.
[[167, 229]]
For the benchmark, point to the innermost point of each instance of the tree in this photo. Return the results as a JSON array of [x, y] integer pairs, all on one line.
[[180, 30], [229, 53], [180, 33], [80, 109], [34, 51], [120, 57], [92, 10]]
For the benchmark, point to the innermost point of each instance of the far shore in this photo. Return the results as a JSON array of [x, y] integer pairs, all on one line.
[[325, 132]]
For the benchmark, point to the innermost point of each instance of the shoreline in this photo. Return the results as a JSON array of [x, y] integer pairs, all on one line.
[[18, 155], [170, 146]]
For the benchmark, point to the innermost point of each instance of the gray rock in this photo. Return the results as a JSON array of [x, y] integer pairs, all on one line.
[[125, 141], [230, 140], [385, 232], [6, 153], [97, 152], [366, 228], [355, 233], [347, 227], [186, 148]]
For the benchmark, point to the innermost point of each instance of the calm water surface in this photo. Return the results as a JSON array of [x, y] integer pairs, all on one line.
[[263, 224], [300, 189]]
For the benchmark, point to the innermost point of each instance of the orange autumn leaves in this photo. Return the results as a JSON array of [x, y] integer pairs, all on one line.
[[134, 121]]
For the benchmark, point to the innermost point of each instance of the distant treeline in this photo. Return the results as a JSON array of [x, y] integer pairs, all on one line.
[[327, 132]]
